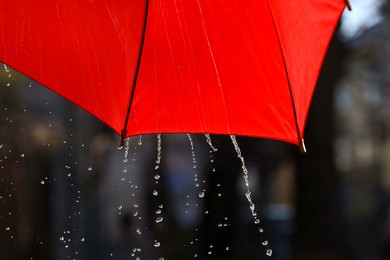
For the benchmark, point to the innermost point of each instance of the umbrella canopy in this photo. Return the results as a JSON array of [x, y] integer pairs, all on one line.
[[171, 66]]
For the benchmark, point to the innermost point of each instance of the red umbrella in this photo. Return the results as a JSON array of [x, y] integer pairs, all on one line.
[[169, 66]]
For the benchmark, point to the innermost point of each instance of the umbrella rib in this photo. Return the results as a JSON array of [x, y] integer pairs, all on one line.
[[300, 139], [124, 131]]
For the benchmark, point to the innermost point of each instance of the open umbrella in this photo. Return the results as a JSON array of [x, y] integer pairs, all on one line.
[[169, 66]]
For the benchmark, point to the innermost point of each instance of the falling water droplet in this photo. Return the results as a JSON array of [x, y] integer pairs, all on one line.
[[159, 219], [248, 192], [140, 140], [127, 145], [42, 182], [158, 160], [156, 243], [246, 177], [192, 151], [208, 139], [155, 193], [201, 194]]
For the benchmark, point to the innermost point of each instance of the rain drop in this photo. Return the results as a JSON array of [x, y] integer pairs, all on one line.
[[158, 160], [42, 182], [156, 244], [201, 194], [269, 252], [159, 219], [155, 193], [246, 177], [265, 242], [208, 139], [127, 144]]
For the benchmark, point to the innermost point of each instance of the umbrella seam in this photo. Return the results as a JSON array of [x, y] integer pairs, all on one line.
[[124, 132], [300, 139]]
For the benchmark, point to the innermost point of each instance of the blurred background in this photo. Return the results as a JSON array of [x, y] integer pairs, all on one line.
[[68, 192]]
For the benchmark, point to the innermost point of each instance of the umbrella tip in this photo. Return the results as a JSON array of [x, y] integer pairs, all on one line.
[[348, 4], [302, 146], [123, 137]]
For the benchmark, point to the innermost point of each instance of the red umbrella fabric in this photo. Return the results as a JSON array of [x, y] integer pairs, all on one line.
[[176, 66]]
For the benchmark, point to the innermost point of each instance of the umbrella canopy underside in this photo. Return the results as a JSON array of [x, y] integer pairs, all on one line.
[[221, 66]]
